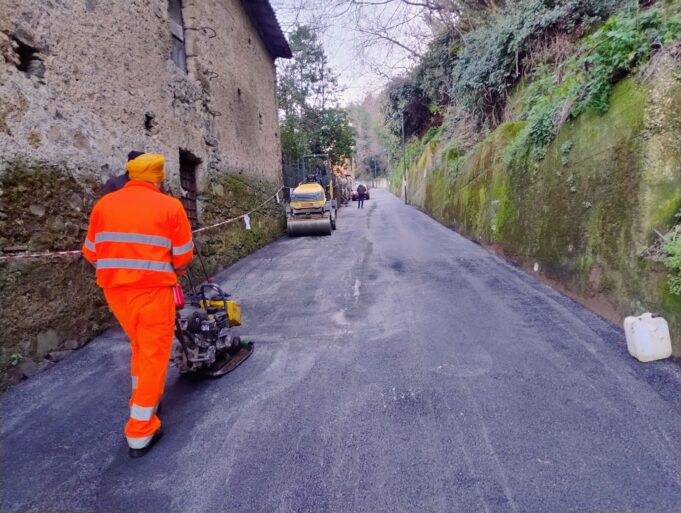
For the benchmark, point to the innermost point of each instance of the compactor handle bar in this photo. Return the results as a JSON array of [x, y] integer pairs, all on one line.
[[212, 286]]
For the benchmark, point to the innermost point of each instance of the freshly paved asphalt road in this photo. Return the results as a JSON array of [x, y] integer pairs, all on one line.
[[398, 368]]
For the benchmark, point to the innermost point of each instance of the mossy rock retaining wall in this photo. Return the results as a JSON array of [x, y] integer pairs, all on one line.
[[50, 307], [584, 213]]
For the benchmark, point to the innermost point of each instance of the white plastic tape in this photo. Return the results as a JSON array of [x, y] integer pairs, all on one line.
[[247, 221]]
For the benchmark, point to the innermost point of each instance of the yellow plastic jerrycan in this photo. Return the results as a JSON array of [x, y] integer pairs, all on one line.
[[648, 337]]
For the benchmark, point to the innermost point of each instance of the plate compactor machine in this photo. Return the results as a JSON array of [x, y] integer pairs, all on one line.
[[203, 327]]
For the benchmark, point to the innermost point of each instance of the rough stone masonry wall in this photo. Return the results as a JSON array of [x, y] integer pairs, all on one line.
[[107, 71], [100, 82]]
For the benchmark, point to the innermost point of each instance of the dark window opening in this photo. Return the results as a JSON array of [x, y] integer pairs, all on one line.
[[178, 51], [150, 121], [188, 165], [29, 59]]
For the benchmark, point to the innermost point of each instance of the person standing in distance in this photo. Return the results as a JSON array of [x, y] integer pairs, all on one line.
[[361, 193], [118, 182]]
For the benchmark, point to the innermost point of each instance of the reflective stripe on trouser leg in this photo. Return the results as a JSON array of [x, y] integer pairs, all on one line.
[[117, 300], [138, 443], [154, 337], [134, 367], [143, 413], [148, 317]]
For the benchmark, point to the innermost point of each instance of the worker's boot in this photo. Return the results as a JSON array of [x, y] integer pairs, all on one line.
[[138, 453]]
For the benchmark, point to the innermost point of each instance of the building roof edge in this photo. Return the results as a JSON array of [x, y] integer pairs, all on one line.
[[265, 20]]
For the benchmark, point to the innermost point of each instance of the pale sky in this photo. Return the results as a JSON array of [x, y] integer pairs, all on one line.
[[362, 68]]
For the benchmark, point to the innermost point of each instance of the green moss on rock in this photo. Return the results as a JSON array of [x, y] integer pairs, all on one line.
[[587, 209], [54, 304], [230, 195], [46, 304]]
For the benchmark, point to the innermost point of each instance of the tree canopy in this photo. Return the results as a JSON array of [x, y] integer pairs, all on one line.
[[310, 116]]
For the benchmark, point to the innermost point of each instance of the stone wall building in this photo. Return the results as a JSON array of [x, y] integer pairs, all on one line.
[[82, 83]]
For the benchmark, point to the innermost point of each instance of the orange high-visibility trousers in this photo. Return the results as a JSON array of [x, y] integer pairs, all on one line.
[[147, 315]]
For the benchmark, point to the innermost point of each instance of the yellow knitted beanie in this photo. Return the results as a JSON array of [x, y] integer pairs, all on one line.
[[148, 167]]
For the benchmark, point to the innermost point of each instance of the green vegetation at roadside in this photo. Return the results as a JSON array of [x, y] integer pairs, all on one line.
[[584, 82], [672, 249], [576, 161]]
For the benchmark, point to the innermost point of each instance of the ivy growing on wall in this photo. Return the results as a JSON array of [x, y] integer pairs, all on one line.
[[585, 81], [672, 261], [496, 56]]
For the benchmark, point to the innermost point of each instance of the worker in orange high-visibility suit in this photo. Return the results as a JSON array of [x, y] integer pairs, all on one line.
[[139, 239]]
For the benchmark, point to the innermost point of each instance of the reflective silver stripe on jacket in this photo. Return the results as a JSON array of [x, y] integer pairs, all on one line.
[[180, 250], [135, 379], [138, 443], [132, 263], [140, 238], [89, 245], [142, 413]]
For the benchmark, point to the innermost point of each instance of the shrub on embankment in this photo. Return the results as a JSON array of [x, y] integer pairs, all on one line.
[[50, 307], [583, 172]]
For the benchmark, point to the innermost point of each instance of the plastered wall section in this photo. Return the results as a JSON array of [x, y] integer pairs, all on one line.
[[110, 86]]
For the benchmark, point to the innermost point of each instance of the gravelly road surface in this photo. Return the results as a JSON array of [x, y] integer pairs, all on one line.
[[398, 368]]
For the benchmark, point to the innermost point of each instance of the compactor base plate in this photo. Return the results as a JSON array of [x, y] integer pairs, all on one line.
[[228, 361]]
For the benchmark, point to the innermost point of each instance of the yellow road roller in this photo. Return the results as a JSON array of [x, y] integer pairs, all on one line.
[[309, 211]]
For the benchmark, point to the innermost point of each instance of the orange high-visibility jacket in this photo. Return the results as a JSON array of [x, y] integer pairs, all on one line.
[[138, 237]]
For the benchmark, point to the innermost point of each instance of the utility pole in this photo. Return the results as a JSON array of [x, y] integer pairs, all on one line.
[[404, 161]]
